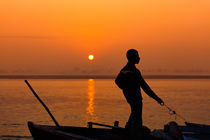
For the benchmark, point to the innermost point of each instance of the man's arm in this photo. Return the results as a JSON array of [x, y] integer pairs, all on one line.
[[149, 91]]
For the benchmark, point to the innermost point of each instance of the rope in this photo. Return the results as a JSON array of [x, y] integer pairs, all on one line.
[[173, 112]]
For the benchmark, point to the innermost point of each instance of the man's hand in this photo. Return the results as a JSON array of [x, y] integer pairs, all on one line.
[[160, 101]]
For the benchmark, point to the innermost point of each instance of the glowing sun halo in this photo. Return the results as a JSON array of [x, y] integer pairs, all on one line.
[[90, 57]]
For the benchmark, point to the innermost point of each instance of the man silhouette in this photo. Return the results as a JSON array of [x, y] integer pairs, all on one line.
[[130, 81]]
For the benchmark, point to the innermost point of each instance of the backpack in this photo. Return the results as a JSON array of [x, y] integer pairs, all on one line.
[[124, 79], [120, 80]]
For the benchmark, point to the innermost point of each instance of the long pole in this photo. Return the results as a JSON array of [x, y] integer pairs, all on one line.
[[46, 108]]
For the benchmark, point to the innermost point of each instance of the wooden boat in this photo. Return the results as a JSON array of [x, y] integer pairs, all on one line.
[[75, 133], [78, 133], [172, 131], [43, 132]]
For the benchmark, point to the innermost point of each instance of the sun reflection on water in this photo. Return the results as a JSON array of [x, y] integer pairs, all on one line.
[[91, 95]]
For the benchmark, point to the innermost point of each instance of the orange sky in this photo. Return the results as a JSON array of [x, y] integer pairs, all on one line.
[[56, 36]]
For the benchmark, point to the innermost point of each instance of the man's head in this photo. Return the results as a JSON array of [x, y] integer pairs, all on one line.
[[133, 56]]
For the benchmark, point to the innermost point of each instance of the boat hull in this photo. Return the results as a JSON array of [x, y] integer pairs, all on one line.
[[43, 132]]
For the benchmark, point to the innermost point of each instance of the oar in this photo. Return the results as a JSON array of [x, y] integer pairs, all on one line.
[[46, 108]]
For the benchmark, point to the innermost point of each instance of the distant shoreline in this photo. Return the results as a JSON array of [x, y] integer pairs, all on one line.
[[101, 76]]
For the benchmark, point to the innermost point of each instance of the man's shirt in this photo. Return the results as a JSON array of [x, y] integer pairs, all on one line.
[[132, 82]]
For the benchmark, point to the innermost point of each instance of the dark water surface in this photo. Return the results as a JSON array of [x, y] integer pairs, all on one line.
[[75, 102]]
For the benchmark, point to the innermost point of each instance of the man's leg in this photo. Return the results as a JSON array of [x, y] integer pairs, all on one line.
[[134, 124], [130, 121], [138, 114], [135, 119]]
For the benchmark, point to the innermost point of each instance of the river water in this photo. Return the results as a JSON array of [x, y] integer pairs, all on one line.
[[77, 101]]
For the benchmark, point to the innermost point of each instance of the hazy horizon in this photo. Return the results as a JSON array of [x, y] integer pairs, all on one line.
[[56, 37]]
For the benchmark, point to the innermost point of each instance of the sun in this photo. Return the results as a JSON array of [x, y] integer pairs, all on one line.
[[90, 57]]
